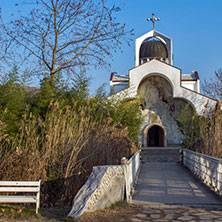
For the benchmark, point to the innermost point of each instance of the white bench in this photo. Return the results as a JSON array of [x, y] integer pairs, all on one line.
[[20, 187]]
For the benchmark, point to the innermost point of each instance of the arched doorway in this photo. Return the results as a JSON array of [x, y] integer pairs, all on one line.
[[155, 136]]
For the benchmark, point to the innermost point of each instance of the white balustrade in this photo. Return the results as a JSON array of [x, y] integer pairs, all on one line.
[[131, 172], [207, 168]]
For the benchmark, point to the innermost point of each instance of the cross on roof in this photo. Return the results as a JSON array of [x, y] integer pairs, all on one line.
[[153, 20]]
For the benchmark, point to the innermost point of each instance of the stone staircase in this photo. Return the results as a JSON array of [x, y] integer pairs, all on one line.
[[160, 154]]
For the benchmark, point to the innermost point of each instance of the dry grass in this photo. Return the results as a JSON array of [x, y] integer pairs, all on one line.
[[209, 137], [115, 213], [61, 150], [12, 213]]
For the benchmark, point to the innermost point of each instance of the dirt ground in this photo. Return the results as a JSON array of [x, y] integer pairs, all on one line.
[[116, 213], [120, 212], [10, 213], [112, 214]]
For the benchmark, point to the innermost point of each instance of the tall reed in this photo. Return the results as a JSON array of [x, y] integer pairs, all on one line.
[[61, 149], [205, 134]]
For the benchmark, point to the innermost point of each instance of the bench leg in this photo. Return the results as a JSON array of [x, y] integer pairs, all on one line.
[[37, 202]]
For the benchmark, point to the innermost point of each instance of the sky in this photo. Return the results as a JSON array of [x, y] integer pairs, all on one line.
[[195, 27]]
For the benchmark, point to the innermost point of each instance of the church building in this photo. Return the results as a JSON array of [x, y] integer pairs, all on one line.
[[161, 87]]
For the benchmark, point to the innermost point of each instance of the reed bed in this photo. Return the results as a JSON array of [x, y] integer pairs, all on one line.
[[61, 148]]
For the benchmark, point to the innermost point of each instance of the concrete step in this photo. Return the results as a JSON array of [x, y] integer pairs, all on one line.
[[160, 155], [161, 151]]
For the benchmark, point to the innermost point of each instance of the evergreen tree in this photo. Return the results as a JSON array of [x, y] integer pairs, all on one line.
[[48, 93], [12, 100], [79, 91]]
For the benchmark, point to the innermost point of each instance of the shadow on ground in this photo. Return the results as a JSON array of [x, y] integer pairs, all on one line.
[[9, 213]]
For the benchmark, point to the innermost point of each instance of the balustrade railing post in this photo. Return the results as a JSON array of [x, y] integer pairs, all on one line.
[[219, 178], [124, 163]]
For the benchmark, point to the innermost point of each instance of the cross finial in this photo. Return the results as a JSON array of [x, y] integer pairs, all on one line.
[[153, 20]]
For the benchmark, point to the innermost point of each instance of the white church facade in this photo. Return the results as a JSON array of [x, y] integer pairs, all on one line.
[[162, 89]]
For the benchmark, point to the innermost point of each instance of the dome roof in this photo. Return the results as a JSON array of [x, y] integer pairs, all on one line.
[[153, 49]]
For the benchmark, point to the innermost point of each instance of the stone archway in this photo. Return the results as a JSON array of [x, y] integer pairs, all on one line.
[[155, 136]]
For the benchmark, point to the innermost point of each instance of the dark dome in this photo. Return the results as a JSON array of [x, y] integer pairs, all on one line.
[[153, 49]]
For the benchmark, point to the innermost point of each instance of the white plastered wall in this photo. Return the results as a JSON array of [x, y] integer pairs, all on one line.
[[193, 85], [172, 74], [165, 39]]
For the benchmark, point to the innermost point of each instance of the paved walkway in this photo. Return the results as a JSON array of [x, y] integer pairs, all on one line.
[[167, 213], [153, 212], [172, 184]]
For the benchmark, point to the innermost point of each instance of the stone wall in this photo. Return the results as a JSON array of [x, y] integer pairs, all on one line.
[[105, 186]]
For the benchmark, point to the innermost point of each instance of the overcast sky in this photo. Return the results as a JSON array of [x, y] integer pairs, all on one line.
[[194, 25]]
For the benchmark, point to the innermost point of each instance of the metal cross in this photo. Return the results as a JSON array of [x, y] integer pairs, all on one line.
[[153, 20]]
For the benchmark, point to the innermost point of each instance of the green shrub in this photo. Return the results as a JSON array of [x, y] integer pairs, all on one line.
[[188, 124]]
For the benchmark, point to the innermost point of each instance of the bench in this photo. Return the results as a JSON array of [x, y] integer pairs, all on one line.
[[20, 187]]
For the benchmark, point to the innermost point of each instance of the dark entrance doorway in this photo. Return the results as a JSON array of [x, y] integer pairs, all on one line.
[[155, 136]]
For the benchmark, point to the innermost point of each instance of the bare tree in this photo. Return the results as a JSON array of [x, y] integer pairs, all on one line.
[[61, 35], [213, 86]]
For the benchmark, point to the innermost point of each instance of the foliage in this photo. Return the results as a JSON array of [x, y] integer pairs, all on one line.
[[58, 133], [47, 93], [211, 131], [188, 124], [12, 100], [204, 133], [61, 134], [59, 148], [124, 113], [128, 114], [63, 35], [213, 86], [79, 88]]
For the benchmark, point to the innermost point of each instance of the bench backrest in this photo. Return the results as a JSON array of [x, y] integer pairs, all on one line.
[[20, 186], [20, 183]]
